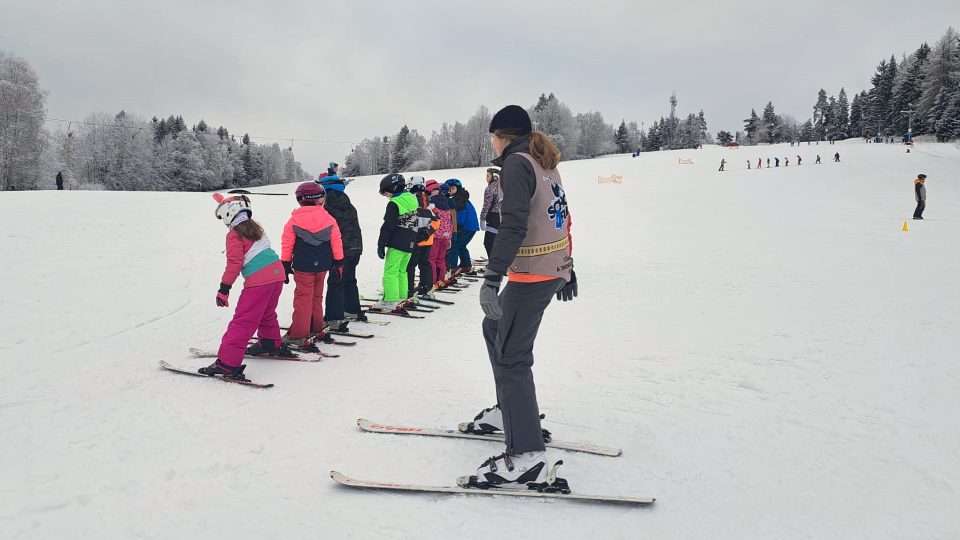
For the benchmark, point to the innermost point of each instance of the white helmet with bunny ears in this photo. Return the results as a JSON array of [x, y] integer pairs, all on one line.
[[231, 206]]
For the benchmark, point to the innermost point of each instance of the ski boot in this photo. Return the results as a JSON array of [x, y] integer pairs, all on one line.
[[526, 471], [359, 317], [490, 421], [392, 307], [338, 326], [268, 347], [218, 368]]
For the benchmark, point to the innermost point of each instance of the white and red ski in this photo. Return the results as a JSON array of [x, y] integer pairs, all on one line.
[[588, 448], [345, 480]]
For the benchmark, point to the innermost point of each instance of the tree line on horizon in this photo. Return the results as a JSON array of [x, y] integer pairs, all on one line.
[[578, 136], [123, 151], [919, 94]]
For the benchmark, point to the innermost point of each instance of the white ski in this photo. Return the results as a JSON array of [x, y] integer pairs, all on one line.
[[345, 480], [589, 448]]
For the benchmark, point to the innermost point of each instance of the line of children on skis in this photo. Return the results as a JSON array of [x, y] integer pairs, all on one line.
[[776, 162], [426, 227]]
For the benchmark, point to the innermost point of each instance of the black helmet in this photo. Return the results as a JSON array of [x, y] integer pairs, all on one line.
[[922, 176], [392, 183]]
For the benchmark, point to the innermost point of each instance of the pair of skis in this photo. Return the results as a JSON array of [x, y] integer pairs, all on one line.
[[374, 427]]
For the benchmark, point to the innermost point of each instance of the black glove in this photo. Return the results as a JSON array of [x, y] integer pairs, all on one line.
[[569, 291], [338, 269], [287, 270], [223, 295], [381, 252]]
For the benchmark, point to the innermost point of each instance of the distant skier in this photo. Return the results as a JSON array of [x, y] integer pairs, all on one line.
[[760, 163], [748, 164], [768, 163], [836, 157], [786, 161], [533, 250], [248, 253], [799, 160], [777, 161], [818, 159], [722, 163], [920, 194], [60, 181]]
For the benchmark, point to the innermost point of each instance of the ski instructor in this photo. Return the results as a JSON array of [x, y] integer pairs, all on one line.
[[532, 249]]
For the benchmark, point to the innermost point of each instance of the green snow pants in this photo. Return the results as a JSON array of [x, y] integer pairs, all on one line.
[[395, 275]]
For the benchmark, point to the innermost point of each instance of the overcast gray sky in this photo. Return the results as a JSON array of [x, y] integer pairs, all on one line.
[[353, 69]]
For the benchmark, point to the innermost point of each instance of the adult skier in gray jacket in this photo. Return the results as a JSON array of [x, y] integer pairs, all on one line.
[[532, 248]]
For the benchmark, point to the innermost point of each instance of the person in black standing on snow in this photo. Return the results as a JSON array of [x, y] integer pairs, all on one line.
[[836, 157], [722, 163], [533, 245], [60, 180], [920, 194], [343, 295], [490, 213]]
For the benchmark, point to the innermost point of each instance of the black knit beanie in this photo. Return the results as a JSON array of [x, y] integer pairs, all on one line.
[[512, 119]]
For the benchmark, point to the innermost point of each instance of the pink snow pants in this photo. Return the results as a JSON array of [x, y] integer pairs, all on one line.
[[438, 257], [256, 313], [307, 304]]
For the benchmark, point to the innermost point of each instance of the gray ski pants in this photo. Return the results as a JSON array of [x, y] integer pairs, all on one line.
[[510, 346]]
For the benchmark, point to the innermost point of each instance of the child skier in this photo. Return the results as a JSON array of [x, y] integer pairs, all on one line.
[[343, 296], [398, 235], [426, 227], [799, 160], [441, 240], [311, 247], [248, 253], [458, 258], [920, 194], [722, 163]]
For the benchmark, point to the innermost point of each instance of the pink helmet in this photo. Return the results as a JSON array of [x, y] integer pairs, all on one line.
[[431, 185]]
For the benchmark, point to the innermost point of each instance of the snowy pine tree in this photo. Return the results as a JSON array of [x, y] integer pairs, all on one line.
[[940, 74]]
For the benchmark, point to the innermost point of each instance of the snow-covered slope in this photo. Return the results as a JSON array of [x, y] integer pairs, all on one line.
[[775, 356]]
